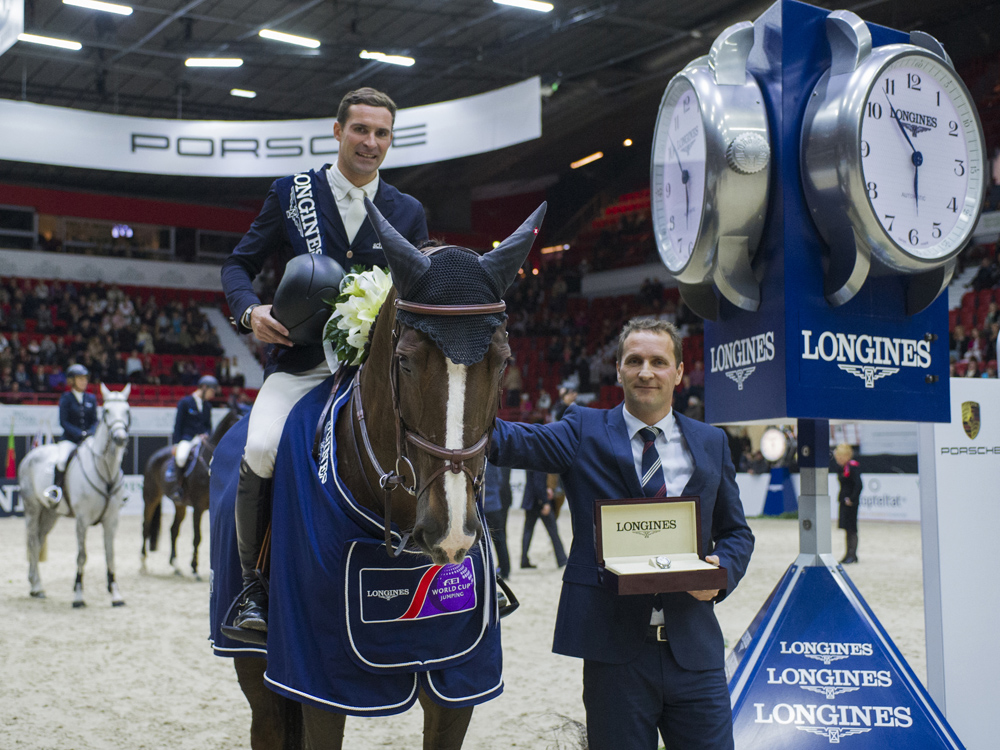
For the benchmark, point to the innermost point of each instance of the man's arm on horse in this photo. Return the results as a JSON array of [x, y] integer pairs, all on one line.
[[550, 448]]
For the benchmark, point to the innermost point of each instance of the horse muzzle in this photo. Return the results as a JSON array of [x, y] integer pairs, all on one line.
[[120, 437]]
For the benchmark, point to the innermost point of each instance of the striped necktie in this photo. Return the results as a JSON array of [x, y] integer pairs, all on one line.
[[653, 482]]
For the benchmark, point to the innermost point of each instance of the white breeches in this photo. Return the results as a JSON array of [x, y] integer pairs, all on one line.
[[281, 391], [183, 449]]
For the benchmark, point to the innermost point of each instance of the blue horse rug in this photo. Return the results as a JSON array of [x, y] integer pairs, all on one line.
[[352, 630]]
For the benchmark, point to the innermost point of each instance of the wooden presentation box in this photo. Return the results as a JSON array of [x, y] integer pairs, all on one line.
[[631, 534]]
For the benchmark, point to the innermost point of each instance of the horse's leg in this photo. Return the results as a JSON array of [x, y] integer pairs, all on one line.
[[151, 507], [110, 528], [196, 512], [444, 728], [81, 561], [323, 730], [179, 512], [276, 722], [37, 523]]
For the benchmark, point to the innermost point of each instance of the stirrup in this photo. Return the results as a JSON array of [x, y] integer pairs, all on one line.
[[246, 635], [53, 494], [506, 601]]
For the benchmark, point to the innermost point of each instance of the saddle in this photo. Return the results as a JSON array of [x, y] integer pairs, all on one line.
[[56, 492]]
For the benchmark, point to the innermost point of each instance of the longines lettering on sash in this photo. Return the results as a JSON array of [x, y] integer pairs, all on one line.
[[387, 594], [303, 212], [646, 528], [733, 357], [877, 356]]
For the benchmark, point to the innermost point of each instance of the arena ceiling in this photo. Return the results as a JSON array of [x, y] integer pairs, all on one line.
[[603, 66]]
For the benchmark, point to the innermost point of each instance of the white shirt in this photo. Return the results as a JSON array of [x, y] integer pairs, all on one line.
[[675, 457], [340, 186]]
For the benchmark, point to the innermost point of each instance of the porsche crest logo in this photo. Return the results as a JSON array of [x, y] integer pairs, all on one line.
[[970, 418]]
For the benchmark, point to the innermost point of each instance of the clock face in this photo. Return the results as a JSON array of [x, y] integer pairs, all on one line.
[[773, 444], [678, 175], [921, 157]]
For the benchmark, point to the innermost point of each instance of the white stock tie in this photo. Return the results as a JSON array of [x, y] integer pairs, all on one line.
[[356, 213]]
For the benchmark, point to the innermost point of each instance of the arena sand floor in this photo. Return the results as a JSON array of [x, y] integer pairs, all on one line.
[[143, 677]]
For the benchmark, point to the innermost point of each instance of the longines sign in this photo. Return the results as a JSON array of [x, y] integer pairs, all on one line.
[[223, 148]]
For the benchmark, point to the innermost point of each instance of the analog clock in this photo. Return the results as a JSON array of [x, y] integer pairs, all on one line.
[[893, 162], [709, 176]]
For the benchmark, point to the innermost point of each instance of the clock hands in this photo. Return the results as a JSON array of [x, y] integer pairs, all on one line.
[[916, 158], [685, 178]]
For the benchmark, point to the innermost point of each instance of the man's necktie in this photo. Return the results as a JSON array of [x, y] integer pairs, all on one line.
[[653, 482], [355, 213]]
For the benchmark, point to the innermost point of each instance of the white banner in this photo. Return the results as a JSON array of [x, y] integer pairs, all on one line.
[[222, 148], [146, 420], [960, 469], [67, 267], [884, 497], [11, 23]]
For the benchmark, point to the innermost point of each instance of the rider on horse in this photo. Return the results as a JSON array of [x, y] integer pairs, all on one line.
[[320, 212], [194, 421], [78, 417]]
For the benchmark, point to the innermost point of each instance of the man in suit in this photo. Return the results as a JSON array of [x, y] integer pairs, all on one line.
[[537, 503], [496, 503], [77, 408], [318, 212], [650, 663]]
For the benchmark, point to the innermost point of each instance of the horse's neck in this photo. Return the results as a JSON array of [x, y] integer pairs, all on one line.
[[107, 455]]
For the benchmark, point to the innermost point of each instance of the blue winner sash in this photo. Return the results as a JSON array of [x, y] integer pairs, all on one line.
[[300, 196], [351, 629]]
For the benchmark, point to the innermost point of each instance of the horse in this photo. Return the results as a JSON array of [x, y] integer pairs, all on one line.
[[93, 492], [193, 492], [427, 419]]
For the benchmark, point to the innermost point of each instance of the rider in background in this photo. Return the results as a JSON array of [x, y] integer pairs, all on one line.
[[194, 419], [77, 408]]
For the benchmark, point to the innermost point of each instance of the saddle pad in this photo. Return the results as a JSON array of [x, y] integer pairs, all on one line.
[[329, 643], [407, 613]]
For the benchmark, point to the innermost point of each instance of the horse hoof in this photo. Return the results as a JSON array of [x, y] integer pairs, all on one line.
[[78, 605], [197, 578], [178, 573], [37, 594], [119, 603]]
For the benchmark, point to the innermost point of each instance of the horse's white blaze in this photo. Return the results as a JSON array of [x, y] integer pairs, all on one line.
[[455, 494]]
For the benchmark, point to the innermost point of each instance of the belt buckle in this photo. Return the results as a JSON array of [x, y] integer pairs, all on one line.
[[661, 634]]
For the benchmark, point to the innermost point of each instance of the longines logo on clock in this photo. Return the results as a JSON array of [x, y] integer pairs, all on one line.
[[738, 359], [870, 358]]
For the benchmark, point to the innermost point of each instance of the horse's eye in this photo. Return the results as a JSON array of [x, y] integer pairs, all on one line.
[[404, 363]]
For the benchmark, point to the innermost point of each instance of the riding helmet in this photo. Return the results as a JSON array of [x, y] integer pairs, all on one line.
[[304, 299]]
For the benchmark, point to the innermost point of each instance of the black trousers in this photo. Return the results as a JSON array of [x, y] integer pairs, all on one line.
[[530, 517], [629, 704], [497, 521]]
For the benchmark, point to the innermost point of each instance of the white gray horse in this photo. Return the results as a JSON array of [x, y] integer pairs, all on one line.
[[93, 492]]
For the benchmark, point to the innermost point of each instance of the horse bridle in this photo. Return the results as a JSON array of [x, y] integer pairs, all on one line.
[[454, 460]]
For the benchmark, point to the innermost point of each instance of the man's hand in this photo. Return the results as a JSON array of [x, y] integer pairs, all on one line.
[[707, 595], [266, 328], [546, 508]]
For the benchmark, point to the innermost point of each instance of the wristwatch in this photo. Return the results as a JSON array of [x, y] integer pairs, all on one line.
[[245, 319]]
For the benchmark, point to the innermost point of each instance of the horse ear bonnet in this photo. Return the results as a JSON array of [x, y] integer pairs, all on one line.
[[455, 276], [302, 302]]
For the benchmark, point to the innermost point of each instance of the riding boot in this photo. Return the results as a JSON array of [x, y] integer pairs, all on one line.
[[852, 548], [54, 492], [253, 514]]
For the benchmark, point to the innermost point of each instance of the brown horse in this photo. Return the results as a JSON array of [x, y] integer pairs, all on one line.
[[193, 491], [411, 443]]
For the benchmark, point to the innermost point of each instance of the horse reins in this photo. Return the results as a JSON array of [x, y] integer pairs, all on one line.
[[454, 460]]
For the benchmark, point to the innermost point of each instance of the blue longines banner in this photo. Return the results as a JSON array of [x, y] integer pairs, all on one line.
[[10, 499], [816, 669]]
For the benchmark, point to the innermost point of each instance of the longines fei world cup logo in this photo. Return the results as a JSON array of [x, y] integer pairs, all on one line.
[[870, 358]]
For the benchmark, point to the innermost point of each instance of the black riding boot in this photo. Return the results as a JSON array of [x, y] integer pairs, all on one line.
[[852, 548], [253, 513]]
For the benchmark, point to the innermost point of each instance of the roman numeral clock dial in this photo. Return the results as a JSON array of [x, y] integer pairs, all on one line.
[[709, 177], [892, 162]]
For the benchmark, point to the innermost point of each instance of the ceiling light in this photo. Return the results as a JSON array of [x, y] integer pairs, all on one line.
[[213, 62], [587, 160], [527, 5], [244, 93], [122, 10], [62, 43], [627, 142], [554, 249], [391, 59], [280, 36]]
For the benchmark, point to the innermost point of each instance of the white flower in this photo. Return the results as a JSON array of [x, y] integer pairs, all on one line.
[[361, 298]]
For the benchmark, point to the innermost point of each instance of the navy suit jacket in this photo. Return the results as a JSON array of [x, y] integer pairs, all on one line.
[[590, 448], [190, 421], [268, 236], [77, 418]]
